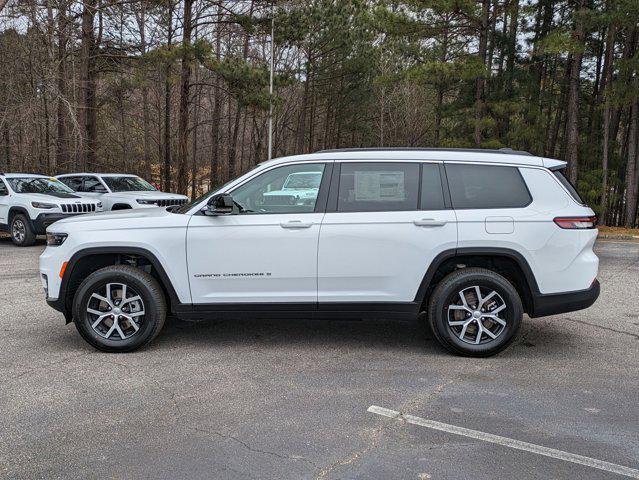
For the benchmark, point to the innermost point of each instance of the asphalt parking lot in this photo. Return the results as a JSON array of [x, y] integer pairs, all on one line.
[[289, 399]]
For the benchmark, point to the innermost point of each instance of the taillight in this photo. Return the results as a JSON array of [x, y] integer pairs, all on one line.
[[576, 223]]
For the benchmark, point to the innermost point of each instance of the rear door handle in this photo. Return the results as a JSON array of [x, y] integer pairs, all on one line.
[[296, 224], [430, 222]]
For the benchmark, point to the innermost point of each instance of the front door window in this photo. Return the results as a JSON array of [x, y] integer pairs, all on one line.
[[287, 189]]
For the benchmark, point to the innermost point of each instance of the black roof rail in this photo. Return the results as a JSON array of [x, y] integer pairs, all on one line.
[[506, 151]]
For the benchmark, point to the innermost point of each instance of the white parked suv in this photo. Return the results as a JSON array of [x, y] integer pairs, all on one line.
[[119, 191], [476, 238], [30, 203]]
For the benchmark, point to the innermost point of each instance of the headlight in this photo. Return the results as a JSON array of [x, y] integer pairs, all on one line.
[[44, 206], [146, 202], [56, 239], [99, 204]]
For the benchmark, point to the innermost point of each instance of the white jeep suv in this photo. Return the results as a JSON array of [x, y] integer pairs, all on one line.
[[30, 203], [120, 191], [476, 238]]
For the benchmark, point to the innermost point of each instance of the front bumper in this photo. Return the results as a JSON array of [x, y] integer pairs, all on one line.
[[556, 303], [43, 220], [59, 305]]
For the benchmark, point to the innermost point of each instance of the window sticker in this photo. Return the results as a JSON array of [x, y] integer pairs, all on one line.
[[379, 186]]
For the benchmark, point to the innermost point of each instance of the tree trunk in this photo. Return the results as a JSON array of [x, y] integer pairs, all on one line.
[[166, 184], [572, 112], [146, 115], [62, 141], [631, 165], [606, 86], [510, 61], [185, 86], [88, 103], [481, 80], [216, 165]]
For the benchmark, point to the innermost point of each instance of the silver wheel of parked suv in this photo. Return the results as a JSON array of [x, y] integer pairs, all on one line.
[[475, 312], [21, 233], [119, 308]]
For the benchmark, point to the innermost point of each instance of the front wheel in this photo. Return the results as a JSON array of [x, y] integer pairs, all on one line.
[[475, 312], [22, 234], [119, 308]]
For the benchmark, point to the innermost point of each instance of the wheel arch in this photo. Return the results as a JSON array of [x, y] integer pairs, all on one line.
[[88, 260], [507, 262], [15, 210]]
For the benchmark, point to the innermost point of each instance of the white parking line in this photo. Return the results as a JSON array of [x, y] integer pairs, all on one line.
[[508, 442]]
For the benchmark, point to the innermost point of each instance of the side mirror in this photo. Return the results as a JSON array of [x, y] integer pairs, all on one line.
[[220, 204]]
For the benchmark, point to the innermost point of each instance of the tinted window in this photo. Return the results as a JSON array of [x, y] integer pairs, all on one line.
[[486, 186], [93, 185], [432, 196], [569, 186], [37, 185], [288, 189], [128, 184], [378, 187], [75, 183], [3, 189]]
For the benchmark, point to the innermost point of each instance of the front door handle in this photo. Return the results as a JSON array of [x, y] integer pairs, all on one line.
[[430, 222], [296, 224]]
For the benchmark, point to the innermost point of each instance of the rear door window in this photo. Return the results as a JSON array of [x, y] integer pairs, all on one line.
[[74, 183], [486, 186], [3, 189], [93, 185], [378, 187]]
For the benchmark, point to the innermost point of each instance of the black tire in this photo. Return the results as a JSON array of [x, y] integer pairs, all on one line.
[[22, 234], [448, 294], [141, 284]]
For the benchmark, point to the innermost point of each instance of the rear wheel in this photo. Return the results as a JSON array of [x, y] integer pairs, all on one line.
[[119, 309], [21, 233], [475, 312]]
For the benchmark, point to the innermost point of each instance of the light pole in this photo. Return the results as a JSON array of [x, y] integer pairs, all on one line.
[[270, 90]]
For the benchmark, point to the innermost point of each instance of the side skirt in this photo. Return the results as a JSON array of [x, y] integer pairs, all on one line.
[[326, 311]]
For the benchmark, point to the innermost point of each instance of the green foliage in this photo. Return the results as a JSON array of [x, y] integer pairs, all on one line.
[[246, 82], [559, 41]]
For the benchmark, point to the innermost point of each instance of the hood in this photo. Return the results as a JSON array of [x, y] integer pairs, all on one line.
[[157, 195], [51, 197], [140, 218], [130, 215]]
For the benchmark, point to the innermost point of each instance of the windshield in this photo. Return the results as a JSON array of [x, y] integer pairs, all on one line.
[[189, 205], [216, 188], [300, 181], [128, 184], [37, 185]]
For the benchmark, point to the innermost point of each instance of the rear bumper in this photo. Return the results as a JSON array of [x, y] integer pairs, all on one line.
[[556, 303]]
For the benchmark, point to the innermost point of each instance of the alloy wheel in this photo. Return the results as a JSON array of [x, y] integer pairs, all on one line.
[[475, 315], [116, 311], [19, 230]]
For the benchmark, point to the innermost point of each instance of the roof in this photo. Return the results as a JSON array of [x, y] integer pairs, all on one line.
[[14, 175], [502, 151], [502, 156], [96, 174]]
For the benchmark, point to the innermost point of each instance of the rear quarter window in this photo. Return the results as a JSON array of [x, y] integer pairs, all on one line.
[[486, 186], [569, 186]]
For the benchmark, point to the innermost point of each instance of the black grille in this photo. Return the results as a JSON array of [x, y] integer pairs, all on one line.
[[169, 203], [78, 208]]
